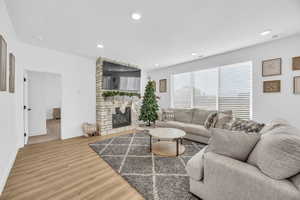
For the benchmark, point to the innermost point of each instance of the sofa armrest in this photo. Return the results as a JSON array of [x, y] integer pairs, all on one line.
[[222, 173], [194, 166]]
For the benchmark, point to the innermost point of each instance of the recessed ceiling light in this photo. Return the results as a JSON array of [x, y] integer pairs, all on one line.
[[136, 16], [156, 65], [194, 54], [266, 32], [100, 46]]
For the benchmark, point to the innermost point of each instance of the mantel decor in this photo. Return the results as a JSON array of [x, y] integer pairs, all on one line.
[[3, 63], [271, 67], [120, 93]]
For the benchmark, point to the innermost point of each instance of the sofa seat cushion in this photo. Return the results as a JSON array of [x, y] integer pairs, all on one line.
[[196, 130], [195, 167], [277, 155], [171, 124]]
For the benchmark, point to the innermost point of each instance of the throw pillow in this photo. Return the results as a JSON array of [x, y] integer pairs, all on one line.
[[246, 126], [222, 119], [236, 145], [277, 156], [211, 120]]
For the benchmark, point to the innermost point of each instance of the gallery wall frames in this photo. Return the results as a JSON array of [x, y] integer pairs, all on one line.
[[163, 85], [272, 86], [3, 63], [296, 63], [271, 67], [297, 85], [12, 64]]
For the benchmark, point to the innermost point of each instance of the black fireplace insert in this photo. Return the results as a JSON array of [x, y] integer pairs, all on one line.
[[120, 119]]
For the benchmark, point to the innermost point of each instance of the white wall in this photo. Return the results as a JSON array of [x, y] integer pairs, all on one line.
[[52, 93], [78, 92], [8, 135], [265, 106]]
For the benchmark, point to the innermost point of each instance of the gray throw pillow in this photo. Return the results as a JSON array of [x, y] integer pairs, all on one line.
[[277, 155], [211, 120], [236, 145], [222, 119], [247, 126]]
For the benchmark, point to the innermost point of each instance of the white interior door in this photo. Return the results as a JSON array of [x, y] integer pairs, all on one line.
[[25, 99]]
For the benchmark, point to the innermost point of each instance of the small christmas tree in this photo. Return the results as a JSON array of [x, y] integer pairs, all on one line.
[[149, 107]]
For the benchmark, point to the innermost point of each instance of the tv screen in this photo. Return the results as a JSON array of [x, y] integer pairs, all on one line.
[[120, 77]]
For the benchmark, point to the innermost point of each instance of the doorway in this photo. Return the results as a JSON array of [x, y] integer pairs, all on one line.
[[42, 107]]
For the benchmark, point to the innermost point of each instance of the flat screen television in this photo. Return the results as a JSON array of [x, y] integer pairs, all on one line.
[[121, 77]]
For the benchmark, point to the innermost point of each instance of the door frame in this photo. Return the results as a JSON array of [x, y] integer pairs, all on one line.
[[25, 102]]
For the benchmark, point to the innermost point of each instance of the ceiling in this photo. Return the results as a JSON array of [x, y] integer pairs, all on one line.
[[168, 33]]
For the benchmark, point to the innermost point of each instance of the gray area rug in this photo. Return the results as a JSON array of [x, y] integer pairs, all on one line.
[[154, 177]]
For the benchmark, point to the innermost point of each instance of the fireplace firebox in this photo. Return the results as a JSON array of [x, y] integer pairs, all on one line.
[[120, 119]]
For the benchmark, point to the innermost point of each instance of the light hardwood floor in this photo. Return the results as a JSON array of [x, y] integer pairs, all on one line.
[[65, 170], [53, 132]]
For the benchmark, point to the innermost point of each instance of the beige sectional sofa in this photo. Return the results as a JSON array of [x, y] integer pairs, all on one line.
[[218, 177], [190, 120]]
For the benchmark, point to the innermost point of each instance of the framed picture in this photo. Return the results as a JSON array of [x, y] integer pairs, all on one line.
[[163, 85], [3, 63], [11, 73], [272, 86], [271, 67], [297, 85], [296, 63]]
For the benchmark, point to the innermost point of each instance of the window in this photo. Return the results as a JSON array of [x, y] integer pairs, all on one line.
[[222, 88], [205, 85], [235, 89], [182, 90]]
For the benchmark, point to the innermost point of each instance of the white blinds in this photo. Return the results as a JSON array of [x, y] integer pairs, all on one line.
[[222, 88], [182, 90], [235, 89], [205, 85]]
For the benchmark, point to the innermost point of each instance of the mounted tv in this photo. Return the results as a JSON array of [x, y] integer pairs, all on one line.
[[120, 77]]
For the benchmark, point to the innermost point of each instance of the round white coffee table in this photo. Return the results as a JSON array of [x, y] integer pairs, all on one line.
[[168, 141]]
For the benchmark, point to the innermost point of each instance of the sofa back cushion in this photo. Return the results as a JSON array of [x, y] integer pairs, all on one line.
[[277, 155], [236, 145], [183, 115], [200, 116]]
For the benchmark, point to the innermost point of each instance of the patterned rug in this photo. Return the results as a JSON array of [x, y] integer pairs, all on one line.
[[154, 177]]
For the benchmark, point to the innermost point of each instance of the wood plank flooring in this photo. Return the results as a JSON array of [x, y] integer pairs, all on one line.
[[65, 170]]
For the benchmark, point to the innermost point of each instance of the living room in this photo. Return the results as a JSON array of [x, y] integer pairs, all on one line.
[[219, 90]]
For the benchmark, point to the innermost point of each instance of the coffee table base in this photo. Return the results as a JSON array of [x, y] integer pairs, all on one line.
[[167, 148]]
